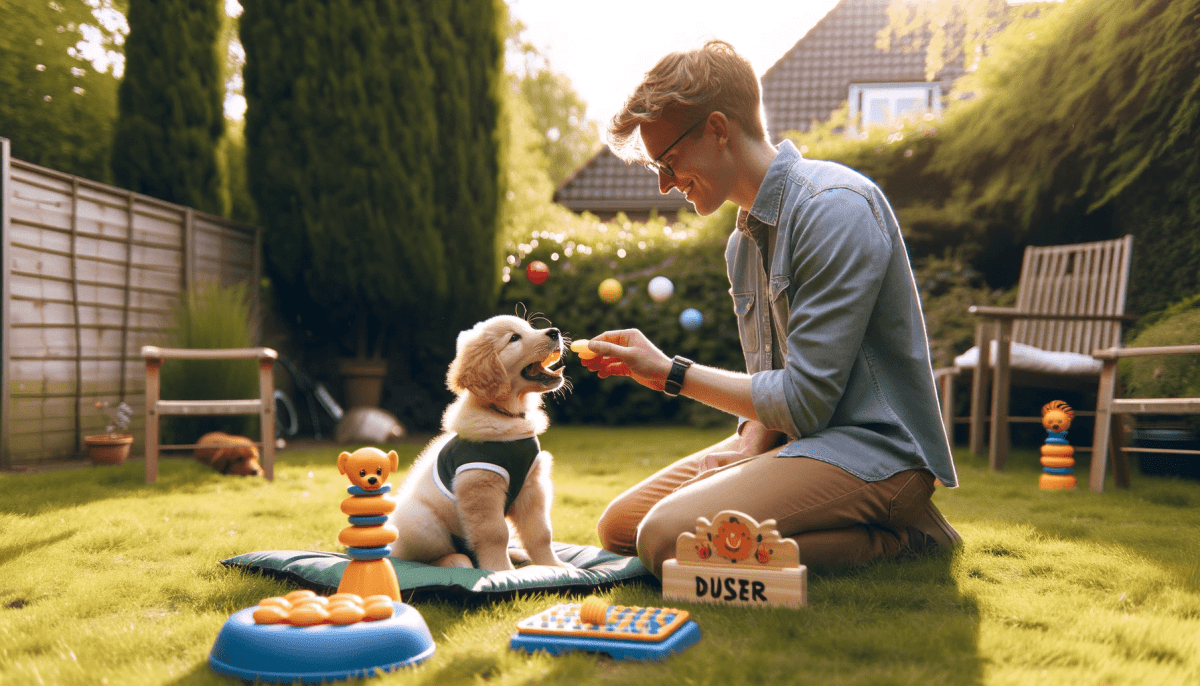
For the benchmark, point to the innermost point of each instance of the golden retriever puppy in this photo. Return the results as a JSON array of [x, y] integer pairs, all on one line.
[[487, 465], [229, 454]]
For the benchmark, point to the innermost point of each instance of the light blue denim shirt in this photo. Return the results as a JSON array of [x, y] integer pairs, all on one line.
[[838, 299]]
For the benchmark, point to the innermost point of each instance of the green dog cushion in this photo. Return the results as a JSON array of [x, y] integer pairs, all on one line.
[[595, 569]]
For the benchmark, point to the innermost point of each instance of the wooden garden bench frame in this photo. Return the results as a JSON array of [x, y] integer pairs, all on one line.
[[1070, 298], [1109, 433], [263, 406]]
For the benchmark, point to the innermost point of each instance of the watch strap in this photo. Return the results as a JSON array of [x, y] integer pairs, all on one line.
[[674, 383]]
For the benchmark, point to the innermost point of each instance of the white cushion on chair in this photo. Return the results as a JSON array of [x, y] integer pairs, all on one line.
[[1036, 359]]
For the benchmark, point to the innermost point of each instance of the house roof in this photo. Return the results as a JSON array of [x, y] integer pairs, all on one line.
[[808, 83]]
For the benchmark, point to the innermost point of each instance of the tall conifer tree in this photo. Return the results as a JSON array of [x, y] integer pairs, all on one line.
[[170, 103], [466, 52], [373, 157]]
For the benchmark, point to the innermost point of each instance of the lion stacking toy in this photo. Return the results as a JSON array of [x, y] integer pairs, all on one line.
[[368, 539], [1057, 454]]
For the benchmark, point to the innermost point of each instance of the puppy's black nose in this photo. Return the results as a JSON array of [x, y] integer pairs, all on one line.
[[552, 333]]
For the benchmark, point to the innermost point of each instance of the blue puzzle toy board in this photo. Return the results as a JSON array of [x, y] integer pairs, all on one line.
[[623, 632]]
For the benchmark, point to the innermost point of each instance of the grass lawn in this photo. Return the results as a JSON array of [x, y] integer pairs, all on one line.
[[104, 579]]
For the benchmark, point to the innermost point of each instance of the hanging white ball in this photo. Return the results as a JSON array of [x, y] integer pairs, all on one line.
[[660, 288]]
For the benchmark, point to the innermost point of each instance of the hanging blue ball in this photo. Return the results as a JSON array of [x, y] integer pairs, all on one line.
[[691, 319]]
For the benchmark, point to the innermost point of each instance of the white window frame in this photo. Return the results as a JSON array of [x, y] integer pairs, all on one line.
[[860, 93]]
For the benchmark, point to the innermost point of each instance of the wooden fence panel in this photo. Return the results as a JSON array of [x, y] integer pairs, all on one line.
[[90, 274]]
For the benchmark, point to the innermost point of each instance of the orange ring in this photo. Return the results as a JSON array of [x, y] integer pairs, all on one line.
[[372, 505], [1051, 461], [1054, 481], [367, 536], [1057, 450]]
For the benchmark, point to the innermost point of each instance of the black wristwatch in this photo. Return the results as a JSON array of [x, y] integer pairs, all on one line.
[[674, 382]]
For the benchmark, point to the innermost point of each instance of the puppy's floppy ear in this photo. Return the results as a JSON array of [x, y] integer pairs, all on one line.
[[477, 368]]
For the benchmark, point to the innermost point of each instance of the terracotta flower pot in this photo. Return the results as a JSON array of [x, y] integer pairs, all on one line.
[[108, 448], [363, 381]]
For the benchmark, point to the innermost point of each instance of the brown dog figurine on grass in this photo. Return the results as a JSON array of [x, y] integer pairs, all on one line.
[[229, 454]]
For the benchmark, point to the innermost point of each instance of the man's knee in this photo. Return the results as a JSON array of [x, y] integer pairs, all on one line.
[[656, 537], [616, 531]]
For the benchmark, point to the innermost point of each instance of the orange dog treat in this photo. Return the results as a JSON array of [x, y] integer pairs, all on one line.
[[308, 615], [297, 595], [580, 347], [271, 614], [276, 602], [345, 613], [336, 597], [379, 610]]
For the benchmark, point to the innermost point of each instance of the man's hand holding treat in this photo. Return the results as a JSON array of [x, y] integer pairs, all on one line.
[[624, 353]]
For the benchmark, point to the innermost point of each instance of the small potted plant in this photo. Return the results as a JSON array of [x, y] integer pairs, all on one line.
[[112, 446]]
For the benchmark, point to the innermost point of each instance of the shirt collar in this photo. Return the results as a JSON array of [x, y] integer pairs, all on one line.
[[770, 193]]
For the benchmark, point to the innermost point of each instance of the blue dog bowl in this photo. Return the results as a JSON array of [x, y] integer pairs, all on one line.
[[324, 652]]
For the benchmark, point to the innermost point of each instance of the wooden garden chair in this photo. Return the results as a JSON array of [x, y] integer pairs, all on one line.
[[1070, 302], [1109, 432], [263, 406]]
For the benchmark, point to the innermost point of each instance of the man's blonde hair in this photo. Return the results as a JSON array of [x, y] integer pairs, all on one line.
[[691, 85]]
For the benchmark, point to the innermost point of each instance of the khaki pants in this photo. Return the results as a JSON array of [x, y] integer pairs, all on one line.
[[835, 518]]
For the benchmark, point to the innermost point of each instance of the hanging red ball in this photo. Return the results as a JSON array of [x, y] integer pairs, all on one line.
[[538, 272]]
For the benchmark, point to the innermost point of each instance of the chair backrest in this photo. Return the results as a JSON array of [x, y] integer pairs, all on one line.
[[1082, 278]]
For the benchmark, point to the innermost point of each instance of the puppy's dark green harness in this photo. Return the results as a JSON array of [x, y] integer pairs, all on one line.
[[510, 459]]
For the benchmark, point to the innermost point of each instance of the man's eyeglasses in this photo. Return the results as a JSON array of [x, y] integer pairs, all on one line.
[[658, 166]]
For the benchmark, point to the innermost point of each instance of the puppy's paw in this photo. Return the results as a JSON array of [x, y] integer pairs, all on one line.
[[519, 557], [455, 560]]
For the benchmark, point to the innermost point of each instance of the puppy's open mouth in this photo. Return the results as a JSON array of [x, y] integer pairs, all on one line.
[[545, 371]]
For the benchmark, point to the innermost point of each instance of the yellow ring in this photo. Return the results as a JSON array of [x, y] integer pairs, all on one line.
[[1052, 481], [371, 506], [1059, 450], [1051, 461], [367, 536]]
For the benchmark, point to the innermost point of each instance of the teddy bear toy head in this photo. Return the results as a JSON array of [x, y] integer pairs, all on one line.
[[368, 468]]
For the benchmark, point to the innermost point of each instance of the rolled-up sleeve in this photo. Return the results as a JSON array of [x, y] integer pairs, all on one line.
[[840, 253]]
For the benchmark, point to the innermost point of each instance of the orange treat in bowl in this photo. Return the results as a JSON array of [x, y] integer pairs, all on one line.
[[356, 599], [308, 615], [276, 602], [379, 610], [270, 614], [299, 595], [345, 613]]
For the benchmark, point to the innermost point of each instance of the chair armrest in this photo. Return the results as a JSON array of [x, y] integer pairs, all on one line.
[[151, 352], [1117, 353], [1012, 313]]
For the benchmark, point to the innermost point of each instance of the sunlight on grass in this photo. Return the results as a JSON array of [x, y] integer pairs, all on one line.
[[104, 579]]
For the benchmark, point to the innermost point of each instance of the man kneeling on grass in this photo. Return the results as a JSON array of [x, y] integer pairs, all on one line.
[[840, 438]]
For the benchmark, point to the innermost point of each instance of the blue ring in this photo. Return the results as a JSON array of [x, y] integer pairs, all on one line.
[[368, 520], [369, 553], [1057, 470], [360, 492]]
